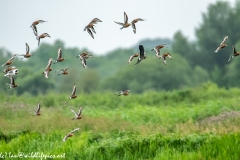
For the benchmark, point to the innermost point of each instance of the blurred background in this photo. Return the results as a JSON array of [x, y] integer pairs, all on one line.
[[193, 29]]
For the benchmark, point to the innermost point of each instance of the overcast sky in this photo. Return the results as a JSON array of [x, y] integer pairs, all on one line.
[[67, 19]]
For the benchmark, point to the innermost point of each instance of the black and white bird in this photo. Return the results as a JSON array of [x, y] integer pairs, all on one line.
[[142, 54]]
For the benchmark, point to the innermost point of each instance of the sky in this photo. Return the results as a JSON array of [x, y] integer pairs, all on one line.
[[66, 20]]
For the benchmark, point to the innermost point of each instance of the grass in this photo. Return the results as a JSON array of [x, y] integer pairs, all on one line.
[[182, 124]]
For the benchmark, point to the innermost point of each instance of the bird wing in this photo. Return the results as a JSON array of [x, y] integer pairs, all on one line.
[[59, 52], [34, 30], [84, 63], [76, 115], [122, 24], [74, 90], [217, 49], [27, 48], [141, 49], [93, 29], [90, 32], [80, 111], [12, 57], [130, 59], [234, 49], [49, 64], [12, 80], [225, 38], [75, 130], [65, 68], [38, 108], [95, 20], [134, 27], [125, 18]]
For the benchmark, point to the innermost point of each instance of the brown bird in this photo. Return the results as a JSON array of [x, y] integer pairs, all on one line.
[[222, 45], [27, 55], [37, 112], [12, 83], [90, 27], [77, 115], [83, 56], [163, 57], [235, 53], [157, 49], [9, 61], [133, 24], [73, 95], [125, 24], [59, 57], [122, 92], [9, 68], [48, 68], [33, 26], [63, 71], [42, 36], [132, 56], [70, 134]]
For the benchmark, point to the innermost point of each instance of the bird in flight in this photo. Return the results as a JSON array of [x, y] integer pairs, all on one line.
[[42, 36], [73, 95], [235, 53], [157, 49], [135, 21], [90, 27], [125, 24], [77, 115], [142, 54], [33, 26], [70, 134], [222, 45], [27, 55], [37, 112]]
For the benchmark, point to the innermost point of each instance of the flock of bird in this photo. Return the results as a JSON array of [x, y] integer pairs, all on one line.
[[10, 71]]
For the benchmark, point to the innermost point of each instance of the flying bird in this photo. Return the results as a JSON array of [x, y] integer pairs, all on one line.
[[63, 71], [42, 36], [37, 112], [83, 56], [27, 55], [125, 24], [73, 95], [33, 26], [222, 45], [142, 54], [235, 53], [9, 61], [70, 134], [59, 57], [90, 27], [133, 24], [157, 49], [163, 57], [48, 68], [12, 83], [122, 92], [77, 115]]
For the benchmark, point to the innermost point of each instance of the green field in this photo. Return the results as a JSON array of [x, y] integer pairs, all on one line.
[[199, 123]]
